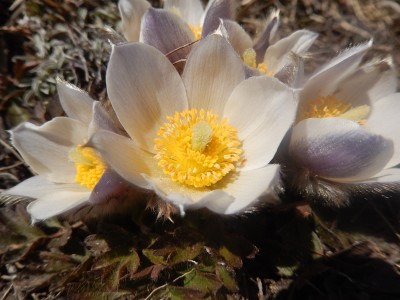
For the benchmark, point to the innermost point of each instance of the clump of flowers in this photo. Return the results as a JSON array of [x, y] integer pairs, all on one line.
[[346, 131], [269, 55], [174, 29], [202, 123], [201, 140]]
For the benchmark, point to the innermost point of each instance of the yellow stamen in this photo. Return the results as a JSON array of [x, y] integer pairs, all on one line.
[[89, 166], [249, 58], [196, 29], [330, 106], [358, 114], [196, 148]]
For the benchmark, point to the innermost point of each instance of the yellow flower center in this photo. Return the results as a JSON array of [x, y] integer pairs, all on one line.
[[196, 148], [89, 166], [249, 58], [330, 106], [196, 29]]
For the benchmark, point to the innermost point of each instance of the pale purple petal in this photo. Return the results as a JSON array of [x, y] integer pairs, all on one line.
[[167, 32], [338, 149], [264, 40], [216, 10], [111, 186], [102, 120]]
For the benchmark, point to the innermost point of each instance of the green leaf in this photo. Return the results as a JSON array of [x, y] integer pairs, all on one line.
[[166, 253], [115, 264], [205, 282], [230, 258], [227, 277], [183, 293]]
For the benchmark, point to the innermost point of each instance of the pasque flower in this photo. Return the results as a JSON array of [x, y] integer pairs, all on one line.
[[172, 29], [269, 54], [69, 174], [201, 140], [347, 129], [191, 12]]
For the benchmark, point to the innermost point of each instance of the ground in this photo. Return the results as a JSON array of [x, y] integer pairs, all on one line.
[[289, 251]]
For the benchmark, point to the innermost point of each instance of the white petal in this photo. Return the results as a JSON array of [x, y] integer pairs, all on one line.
[[76, 103], [56, 203], [102, 120], [123, 156], [189, 198], [190, 10], [262, 109], [167, 32], [131, 12], [339, 149], [326, 79], [249, 186], [238, 38], [38, 186], [212, 71], [369, 84], [384, 120], [278, 55], [45, 148], [292, 73], [241, 191], [144, 88]]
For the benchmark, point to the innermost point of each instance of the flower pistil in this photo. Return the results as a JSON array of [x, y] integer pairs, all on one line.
[[196, 148]]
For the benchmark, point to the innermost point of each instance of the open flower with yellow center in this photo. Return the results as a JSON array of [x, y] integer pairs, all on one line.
[[268, 54], [347, 128], [201, 140], [174, 28], [69, 174]]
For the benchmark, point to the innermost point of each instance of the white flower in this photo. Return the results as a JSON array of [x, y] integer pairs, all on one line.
[[270, 55], [68, 172], [172, 30], [347, 127], [201, 140], [176, 15]]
